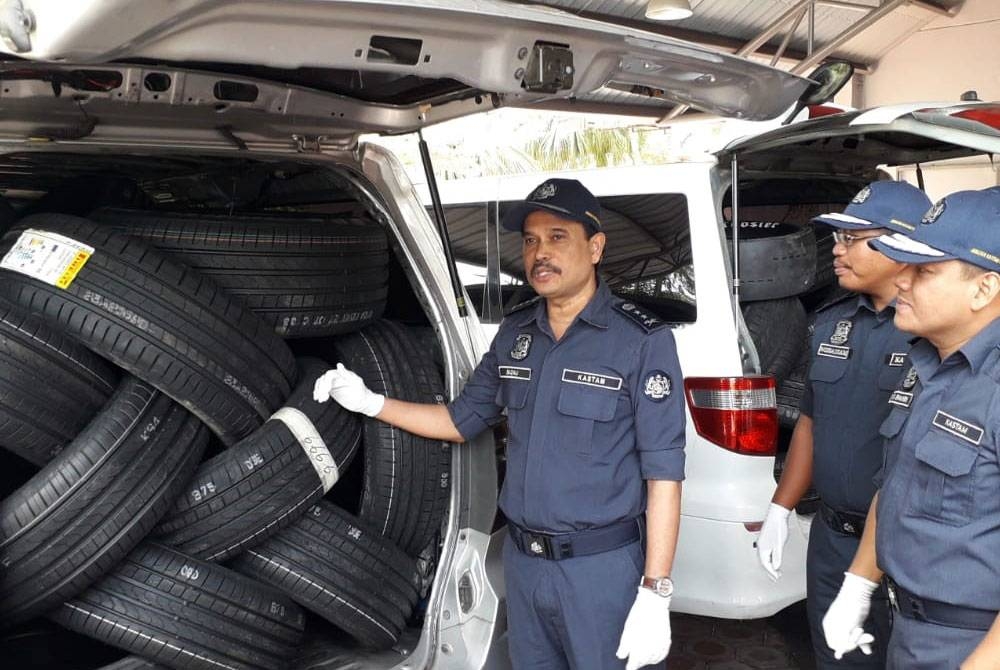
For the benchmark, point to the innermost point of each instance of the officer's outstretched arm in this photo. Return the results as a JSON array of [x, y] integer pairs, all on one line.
[[349, 390], [424, 419], [986, 655]]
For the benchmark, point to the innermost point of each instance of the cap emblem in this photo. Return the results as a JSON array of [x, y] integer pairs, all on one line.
[[934, 213], [862, 195], [544, 192]]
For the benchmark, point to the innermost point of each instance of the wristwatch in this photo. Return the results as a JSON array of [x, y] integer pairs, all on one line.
[[661, 586]]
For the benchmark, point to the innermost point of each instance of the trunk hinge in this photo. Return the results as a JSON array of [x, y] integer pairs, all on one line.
[[305, 144]]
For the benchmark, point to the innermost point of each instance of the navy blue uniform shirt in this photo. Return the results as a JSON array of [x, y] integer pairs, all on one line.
[[939, 506], [590, 416], [858, 358]]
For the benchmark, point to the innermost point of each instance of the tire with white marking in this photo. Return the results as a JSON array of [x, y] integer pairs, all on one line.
[[407, 478], [255, 488], [306, 276], [183, 613], [91, 505], [50, 386], [341, 569], [158, 319]]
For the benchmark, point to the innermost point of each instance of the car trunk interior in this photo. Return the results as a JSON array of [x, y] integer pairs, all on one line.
[[76, 184]]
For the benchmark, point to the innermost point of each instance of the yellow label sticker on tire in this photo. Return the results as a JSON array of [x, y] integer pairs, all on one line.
[[49, 257]]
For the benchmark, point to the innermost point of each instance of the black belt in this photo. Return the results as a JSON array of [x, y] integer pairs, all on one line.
[[844, 523], [557, 546], [932, 611]]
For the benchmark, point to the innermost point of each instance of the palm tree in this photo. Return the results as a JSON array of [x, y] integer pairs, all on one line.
[[565, 145]]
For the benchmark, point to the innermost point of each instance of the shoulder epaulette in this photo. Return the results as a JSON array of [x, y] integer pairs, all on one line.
[[523, 305], [836, 299], [640, 316]]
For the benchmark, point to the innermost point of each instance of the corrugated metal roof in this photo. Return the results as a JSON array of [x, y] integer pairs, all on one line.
[[743, 20]]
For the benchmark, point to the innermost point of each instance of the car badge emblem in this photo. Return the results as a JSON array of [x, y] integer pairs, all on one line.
[[910, 380], [536, 547], [657, 386], [544, 192], [862, 195], [934, 212], [522, 345], [841, 332]]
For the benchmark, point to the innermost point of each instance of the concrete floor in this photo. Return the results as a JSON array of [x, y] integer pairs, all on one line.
[[780, 642]]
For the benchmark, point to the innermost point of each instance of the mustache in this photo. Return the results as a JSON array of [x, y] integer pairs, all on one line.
[[541, 265]]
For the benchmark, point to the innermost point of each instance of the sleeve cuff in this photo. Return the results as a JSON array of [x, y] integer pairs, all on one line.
[[468, 423], [664, 464]]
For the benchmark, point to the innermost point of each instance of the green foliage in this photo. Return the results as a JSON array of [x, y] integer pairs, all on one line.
[[566, 145]]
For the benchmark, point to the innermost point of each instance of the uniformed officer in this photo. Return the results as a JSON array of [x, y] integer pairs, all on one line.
[[858, 356], [592, 389], [937, 512]]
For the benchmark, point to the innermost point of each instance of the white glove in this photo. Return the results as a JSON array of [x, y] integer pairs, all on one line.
[[646, 637], [842, 623], [772, 539], [348, 390]]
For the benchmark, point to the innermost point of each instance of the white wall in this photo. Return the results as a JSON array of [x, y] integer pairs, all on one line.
[[942, 60], [938, 63]]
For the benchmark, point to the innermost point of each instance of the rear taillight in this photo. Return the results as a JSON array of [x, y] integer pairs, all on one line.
[[817, 111], [988, 116], [737, 413]]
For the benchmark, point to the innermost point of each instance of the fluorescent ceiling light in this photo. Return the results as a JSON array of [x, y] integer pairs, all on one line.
[[668, 10]]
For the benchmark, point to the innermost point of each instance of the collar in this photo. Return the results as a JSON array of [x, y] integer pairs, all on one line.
[[595, 312], [975, 352], [979, 347]]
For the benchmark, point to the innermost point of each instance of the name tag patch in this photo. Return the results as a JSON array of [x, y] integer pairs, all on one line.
[[897, 360], [592, 379], [834, 351], [512, 372], [901, 398], [958, 428]]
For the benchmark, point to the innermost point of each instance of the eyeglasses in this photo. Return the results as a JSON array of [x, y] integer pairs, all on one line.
[[847, 239]]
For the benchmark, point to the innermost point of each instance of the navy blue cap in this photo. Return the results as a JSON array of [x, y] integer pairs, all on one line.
[[567, 198], [895, 205], [963, 226]]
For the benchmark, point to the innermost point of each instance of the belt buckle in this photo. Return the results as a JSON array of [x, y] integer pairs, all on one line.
[[893, 598], [538, 545]]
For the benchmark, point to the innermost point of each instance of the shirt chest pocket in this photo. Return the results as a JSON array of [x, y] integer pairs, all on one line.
[[893, 423], [824, 374], [890, 376], [513, 393], [580, 406], [944, 479]]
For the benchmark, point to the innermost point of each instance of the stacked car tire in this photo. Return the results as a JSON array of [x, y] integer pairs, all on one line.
[[152, 373]]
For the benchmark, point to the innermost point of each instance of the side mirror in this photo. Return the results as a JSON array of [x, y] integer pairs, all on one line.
[[827, 80]]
